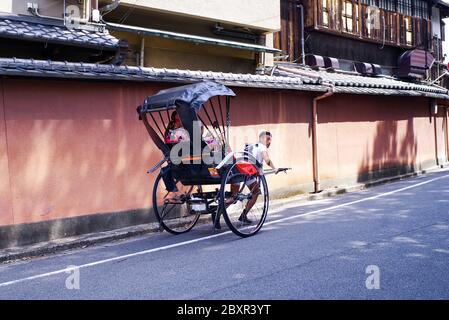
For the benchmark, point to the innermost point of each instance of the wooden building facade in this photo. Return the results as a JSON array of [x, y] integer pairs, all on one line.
[[375, 31]]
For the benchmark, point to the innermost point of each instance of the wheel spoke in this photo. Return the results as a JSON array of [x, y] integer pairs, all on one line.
[[170, 207], [251, 196], [166, 212]]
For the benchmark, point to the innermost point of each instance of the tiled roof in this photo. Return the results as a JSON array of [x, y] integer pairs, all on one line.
[[353, 83], [40, 68], [53, 31], [343, 83]]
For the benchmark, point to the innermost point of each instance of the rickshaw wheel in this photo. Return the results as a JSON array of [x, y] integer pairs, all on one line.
[[232, 212], [173, 210]]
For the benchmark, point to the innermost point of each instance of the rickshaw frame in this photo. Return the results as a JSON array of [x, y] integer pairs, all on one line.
[[188, 101]]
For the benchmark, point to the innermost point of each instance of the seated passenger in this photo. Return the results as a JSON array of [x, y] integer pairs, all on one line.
[[212, 141], [175, 132]]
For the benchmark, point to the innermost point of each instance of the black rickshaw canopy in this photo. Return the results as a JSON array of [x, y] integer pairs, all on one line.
[[188, 101], [194, 95]]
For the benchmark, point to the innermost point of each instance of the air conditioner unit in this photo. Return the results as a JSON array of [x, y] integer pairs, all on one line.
[[77, 12], [414, 64]]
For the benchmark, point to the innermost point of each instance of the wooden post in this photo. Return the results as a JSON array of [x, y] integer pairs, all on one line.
[[360, 18]]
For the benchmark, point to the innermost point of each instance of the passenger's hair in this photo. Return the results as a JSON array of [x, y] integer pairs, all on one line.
[[265, 133], [173, 115]]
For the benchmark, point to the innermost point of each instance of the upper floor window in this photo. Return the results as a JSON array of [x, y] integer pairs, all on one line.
[[389, 5], [420, 9], [347, 16], [370, 2], [326, 10], [408, 31], [405, 7], [390, 27]]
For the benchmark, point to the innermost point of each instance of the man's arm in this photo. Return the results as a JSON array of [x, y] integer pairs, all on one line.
[[267, 160]]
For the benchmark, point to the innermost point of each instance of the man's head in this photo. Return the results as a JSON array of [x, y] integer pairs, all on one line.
[[265, 138]]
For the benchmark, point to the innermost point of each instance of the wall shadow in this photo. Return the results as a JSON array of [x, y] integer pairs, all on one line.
[[389, 154]]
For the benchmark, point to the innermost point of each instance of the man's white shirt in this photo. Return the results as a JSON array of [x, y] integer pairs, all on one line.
[[257, 151]]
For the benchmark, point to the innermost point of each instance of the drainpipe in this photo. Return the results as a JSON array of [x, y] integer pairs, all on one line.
[[434, 108], [142, 52], [436, 139], [303, 61], [35, 12], [330, 91], [316, 176], [446, 135]]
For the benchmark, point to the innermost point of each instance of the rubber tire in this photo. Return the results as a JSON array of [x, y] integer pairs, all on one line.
[[156, 211], [224, 213]]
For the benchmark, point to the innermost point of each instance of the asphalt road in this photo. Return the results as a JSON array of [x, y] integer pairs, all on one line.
[[393, 238]]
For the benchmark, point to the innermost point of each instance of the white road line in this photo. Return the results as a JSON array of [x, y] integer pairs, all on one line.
[[43, 275], [356, 201]]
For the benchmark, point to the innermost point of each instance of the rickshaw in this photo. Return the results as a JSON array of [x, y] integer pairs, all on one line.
[[197, 178]]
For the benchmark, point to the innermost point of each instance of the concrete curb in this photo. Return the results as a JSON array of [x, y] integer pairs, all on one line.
[[55, 246], [52, 247]]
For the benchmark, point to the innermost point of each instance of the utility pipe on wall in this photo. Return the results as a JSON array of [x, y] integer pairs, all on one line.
[[446, 135], [436, 140], [316, 176], [142, 52], [110, 7], [434, 114], [330, 91], [303, 56]]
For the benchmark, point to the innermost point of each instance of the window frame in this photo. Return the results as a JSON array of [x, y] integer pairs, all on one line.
[[405, 7], [325, 12], [408, 30], [348, 16], [420, 9]]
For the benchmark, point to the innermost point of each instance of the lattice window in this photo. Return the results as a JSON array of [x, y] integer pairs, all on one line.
[[347, 16], [389, 5], [325, 12], [370, 2], [405, 7], [408, 28], [420, 9], [390, 27]]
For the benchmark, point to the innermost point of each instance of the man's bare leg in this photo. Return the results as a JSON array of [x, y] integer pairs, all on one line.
[[255, 191], [235, 187], [254, 187]]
